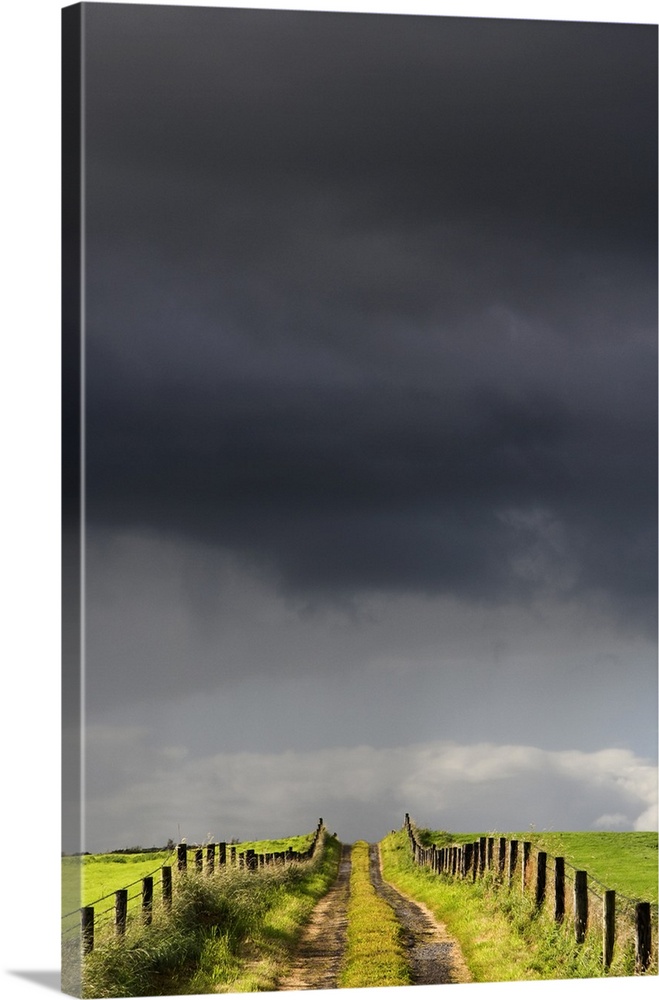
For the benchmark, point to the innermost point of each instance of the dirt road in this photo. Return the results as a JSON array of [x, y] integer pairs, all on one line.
[[319, 956], [434, 957]]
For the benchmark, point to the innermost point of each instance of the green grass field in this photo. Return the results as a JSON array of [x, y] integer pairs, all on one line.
[[261, 914], [93, 876], [626, 862], [233, 932], [502, 934], [297, 843], [200, 946]]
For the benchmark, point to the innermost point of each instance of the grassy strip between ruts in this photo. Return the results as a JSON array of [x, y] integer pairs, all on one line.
[[234, 932], [502, 936], [375, 955]]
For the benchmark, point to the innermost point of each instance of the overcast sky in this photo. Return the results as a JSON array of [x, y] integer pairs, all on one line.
[[371, 423]]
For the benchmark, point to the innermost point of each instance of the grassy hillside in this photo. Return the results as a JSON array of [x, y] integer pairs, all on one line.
[[105, 873], [296, 843], [626, 862], [502, 934], [94, 876], [234, 932]]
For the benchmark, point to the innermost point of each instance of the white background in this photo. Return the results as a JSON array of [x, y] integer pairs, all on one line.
[[29, 396]]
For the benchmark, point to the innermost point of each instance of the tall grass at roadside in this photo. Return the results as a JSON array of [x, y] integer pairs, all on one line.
[[265, 954], [375, 955], [502, 934], [218, 926]]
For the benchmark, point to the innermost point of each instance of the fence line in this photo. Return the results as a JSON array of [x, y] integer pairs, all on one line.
[[207, 860], [511, 861]]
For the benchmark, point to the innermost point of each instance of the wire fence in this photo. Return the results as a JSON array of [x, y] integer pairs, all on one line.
[[150, 896], [610, 921]]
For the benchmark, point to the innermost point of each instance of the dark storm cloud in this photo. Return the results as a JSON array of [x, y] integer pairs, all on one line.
[[372, 299], [439, 113]]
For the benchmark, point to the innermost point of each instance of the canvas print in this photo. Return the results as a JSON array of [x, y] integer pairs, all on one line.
[[359, 471]]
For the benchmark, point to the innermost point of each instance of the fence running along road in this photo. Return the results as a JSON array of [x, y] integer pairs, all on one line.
[[206, 859], [511, 862]]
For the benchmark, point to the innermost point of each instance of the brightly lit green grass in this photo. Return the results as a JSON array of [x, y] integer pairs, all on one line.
[[265, 954], [297, 843], [626, 862], [93, 876], [232, 932], [493, 951], [502, 934], [375, 955]]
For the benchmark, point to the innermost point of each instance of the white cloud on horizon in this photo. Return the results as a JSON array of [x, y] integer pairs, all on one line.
[[139, 793]]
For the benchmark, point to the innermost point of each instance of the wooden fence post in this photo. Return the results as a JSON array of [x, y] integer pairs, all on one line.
[[526, 858], [643, 945], [512, 859], [541, 878], [482, 854], [87, 929], [559, 889], [222, 858], [609, 929], [502, 855], [233, 855], [490, 852], [210, 859], [120, 911], [250, 860], [147, 898], [580, 906], [167, 887], [182, 857]]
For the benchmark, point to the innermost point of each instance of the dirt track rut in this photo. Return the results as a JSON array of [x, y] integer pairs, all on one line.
[[319, 955], [434, 957]]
